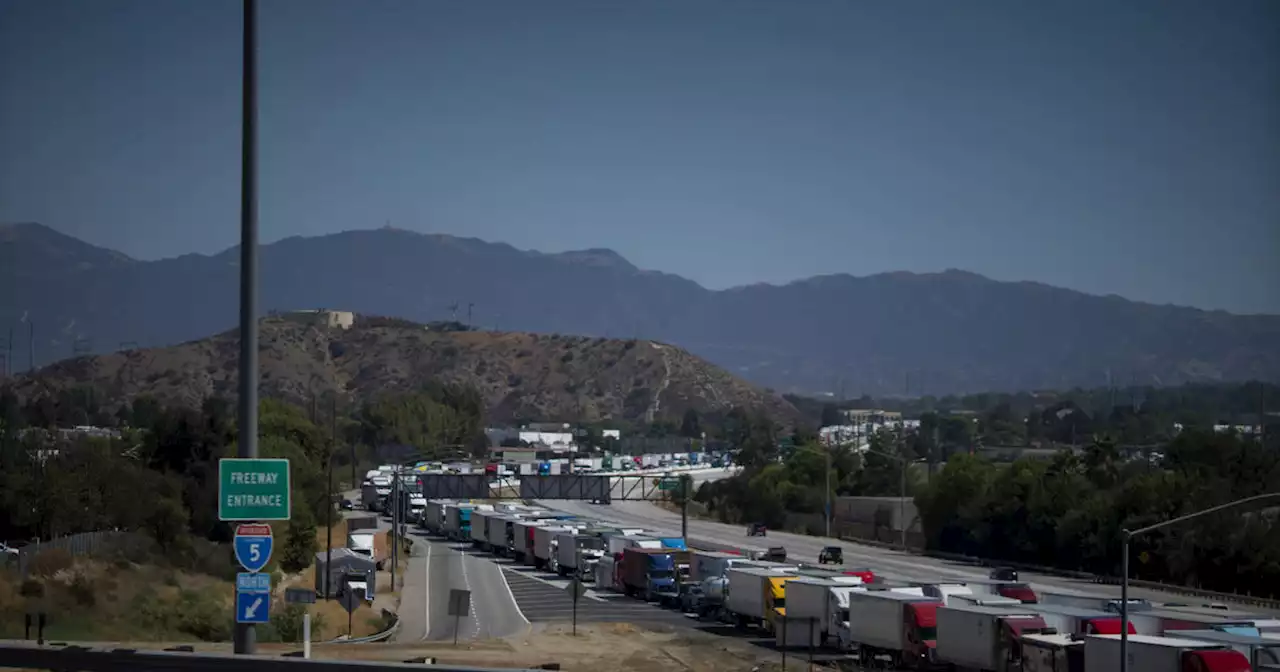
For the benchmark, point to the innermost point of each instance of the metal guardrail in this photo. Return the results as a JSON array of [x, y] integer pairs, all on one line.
[[1216, 596], [26, 655], [375, 637]]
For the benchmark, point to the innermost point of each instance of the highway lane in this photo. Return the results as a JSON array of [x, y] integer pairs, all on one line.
[[493, 613], [893, 565]]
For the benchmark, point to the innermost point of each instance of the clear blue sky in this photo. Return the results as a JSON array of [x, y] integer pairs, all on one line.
[[1113, 147]]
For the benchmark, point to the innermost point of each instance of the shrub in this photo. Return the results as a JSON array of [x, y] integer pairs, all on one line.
[[82, 590], [50, 562], [31, 588]]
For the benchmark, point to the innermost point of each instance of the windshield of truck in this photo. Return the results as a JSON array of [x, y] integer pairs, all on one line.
[[591, 543], [843, 615], [661, 574]]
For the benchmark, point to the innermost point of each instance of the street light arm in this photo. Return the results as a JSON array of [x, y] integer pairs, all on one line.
[[1189, 516]]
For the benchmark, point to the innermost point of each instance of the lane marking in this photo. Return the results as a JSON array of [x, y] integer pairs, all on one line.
[[507, 585], [475, 613]]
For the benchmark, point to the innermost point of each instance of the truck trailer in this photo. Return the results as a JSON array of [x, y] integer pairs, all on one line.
[[985, 638], [889, 626], [1147, 653], [650, 573], [753, 593]]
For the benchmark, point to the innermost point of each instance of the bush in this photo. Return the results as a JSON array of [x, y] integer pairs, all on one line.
[[82, 590], [50, 562], [31, 588]]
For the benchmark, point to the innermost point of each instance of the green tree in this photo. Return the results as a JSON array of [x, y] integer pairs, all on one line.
[[299, 547]]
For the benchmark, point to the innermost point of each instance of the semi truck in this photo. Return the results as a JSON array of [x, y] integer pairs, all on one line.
[[369, 497], [890, 626], [649, 573], [984, 638], [822, 601], [753, 593], [522, 539], [1260, 650], [1052, 653], [1076, 621], [371, 544], [480, 527], [544, 545], [577, 555], [499, 533], [1147, 653]]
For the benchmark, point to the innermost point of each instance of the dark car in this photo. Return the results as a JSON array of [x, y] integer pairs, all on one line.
[[831, 555], [1004, 574], [348, 505], [757, 530]]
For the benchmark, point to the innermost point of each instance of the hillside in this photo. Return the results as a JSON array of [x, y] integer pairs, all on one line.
[[949, 332], [520, 375]]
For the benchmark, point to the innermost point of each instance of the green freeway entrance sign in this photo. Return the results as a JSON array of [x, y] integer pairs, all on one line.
[[669, 484], [253, 489]]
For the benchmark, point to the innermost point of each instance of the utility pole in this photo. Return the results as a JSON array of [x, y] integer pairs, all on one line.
[[328, 512], [395, 524], [246, 638], [827, 509]]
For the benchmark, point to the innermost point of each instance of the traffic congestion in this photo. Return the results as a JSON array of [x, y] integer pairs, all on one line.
[[851, 612]]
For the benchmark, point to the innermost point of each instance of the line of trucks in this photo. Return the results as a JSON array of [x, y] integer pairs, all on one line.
[[995, 626]]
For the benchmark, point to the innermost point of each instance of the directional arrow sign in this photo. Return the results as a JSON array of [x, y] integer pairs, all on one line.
[[253, 546], [252, 607]]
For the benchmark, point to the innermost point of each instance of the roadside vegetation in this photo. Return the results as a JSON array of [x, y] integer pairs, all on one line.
[[160, 565], [1093, 474]]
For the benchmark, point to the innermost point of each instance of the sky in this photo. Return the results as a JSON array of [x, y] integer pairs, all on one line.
[[1111, 147]]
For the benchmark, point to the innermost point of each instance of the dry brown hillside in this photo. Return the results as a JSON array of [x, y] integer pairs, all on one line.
[[519, 374]]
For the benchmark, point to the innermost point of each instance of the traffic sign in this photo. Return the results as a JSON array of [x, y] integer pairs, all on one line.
[[576, 589], [252, 582], [299, 596], [252, 607], [669, 484], [459, 602], [253, 546], [253, 489], [351, 599]]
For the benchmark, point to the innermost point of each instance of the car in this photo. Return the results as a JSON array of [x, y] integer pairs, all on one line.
[[775, 554], [348, 505], [757, 530], [1004, 574], [831, 554]]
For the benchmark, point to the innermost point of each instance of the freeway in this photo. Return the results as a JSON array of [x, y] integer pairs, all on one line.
[[493, 612], [892, 565]]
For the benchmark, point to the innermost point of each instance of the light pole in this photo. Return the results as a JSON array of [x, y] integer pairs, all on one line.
[[1128, 535], [245, 636]]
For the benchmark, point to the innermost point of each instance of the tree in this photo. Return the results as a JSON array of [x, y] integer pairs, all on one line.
[[831, 416], [299, 543], [690, 426]]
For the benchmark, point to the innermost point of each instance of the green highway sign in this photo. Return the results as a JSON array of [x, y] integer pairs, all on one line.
[[669, 484], [253, 489]]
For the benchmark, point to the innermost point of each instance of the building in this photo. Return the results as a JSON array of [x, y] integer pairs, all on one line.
[[320, 317]]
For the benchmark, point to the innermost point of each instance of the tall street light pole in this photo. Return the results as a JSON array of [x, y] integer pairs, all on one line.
[[1128, 535], [902, 490], [245, 636]]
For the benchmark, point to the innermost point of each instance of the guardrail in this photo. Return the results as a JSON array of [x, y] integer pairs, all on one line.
[[1252, 600], [25, 655], [375, 637]]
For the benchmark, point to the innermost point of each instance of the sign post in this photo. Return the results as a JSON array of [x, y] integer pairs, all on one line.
[[459, 606], [576, 590], [302, 596], [253, 489]]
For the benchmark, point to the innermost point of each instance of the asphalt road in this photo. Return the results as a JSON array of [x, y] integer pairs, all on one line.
[[893, 565], [493, 611]]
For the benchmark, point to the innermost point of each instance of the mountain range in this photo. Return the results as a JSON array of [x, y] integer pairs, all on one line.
[[890, 333]]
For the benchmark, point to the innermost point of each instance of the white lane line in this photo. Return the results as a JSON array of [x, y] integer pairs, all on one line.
[[475, 613], [426, 590], [514, 605]]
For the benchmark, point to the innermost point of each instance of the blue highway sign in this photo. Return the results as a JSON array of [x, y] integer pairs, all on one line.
[[253, 583], [252, 607], [253, 546]]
